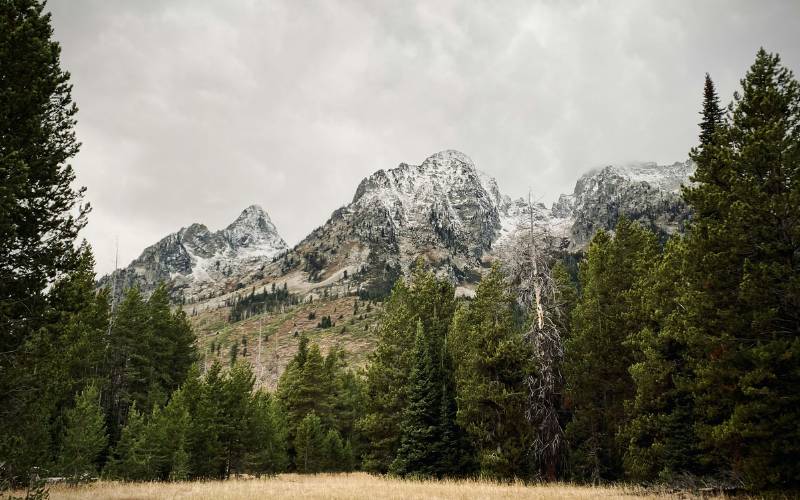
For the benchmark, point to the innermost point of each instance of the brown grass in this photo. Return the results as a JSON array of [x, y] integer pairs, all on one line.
[[338, 486]]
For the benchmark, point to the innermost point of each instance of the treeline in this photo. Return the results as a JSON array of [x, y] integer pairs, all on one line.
[[680, 364], [217, 425], [686, 360], [76, 381], [213, 426]]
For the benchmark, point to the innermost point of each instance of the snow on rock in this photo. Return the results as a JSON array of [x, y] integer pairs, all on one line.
[[444, 210], [196, 262]]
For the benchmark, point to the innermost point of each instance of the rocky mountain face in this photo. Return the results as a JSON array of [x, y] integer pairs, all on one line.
[[196, 262], [454, 216], [444, 211], [646, 192]]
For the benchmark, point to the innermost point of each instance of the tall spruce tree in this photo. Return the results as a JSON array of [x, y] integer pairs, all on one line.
[[305, 387], [659, 436], [417, 454], [38, 223], [492, 363], [386, 393], [128, 459], [743, 282], [432, 443], [598, 352], [431, 302], [309, 444], [85, 436], [127, 362], [206, 449], [268, 433], [40, 216]]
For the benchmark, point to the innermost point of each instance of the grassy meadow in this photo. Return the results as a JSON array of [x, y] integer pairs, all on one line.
[[341, 486]]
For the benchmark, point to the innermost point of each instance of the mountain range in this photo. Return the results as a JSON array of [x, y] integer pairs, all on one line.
[[445, 211]]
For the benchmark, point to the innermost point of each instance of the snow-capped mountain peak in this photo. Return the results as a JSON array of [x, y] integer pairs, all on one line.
[[195, 261], [254, 232], [444, 210]]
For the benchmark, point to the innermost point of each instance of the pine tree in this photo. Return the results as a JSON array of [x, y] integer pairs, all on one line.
[[743, 282], [347, 405], [337, 456], [456, 454], [306, 387], [598, 353], [235, 414], [85, 436], [41, 211], [309, 444], [424, 299], [387, 380], [207, 455], [172, 342], [41, 214], [128, 460], [268, 433], [418, 442], [713, 115], [492, 364], [659, 436], [68, 351], [128, 362]]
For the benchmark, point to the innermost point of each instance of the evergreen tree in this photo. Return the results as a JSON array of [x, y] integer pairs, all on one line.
[[67, 353], [309, 444], [598, 353], [268, 434], [387, 380], [742, 296], [417, 452], [424, 299], [456, 454], [207, 456], [713, 114], [235, 415], [128, 460], [492, 363], [432, 444], [347, 405], [337, 455], [40, 216], [305, 387], [128, 364], [660, 440], [171, 341], [85, 435], [41, 211]]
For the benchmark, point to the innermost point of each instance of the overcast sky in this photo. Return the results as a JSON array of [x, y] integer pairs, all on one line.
[[192, 110]]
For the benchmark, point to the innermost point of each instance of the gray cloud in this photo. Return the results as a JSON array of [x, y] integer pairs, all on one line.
[[192, 110]]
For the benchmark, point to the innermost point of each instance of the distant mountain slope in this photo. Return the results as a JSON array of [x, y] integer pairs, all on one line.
[[443, 210], [196, 262], [646, 192], [454, 216]]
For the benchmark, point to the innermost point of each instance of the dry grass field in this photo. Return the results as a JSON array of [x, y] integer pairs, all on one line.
[[338, 486]]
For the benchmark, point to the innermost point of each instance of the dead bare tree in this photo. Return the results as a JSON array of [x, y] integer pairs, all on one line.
[[528, 257]]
